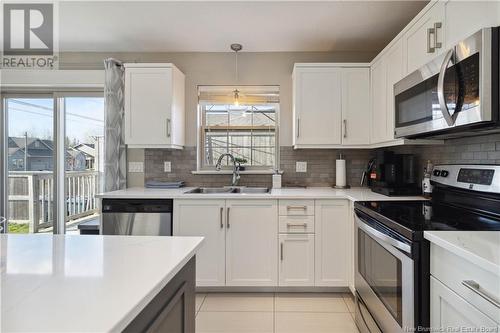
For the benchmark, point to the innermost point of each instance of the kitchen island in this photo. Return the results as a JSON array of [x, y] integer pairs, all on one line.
[[60, 283]]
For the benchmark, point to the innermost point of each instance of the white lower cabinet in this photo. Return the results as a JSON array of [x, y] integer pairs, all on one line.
[[204, 218], [243, 246], [450, 310], [296, 252], [251, 242], [332, 254]]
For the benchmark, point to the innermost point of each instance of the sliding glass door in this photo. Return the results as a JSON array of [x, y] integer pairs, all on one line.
[[84, 167], [30, 163], [53, 160]]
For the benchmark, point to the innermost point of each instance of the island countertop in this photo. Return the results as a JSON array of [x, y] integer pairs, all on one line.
[[62, 283], [479, 247]]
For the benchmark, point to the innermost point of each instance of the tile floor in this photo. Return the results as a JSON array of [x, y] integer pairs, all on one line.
[[275, 313]]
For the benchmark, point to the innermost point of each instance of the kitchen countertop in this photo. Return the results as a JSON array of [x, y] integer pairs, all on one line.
[[480, 247], [58, 283], [353, 194]]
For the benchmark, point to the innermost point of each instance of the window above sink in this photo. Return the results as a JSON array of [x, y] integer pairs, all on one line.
[[247, 129]]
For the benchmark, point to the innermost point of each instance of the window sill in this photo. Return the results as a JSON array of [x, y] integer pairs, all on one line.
[[229, 172]]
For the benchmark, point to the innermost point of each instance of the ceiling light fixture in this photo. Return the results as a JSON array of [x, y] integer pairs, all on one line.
[[236, 93]]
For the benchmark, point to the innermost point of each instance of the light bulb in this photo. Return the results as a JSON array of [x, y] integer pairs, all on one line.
[[236, 101]]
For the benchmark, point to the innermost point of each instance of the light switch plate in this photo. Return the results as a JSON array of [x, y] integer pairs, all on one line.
[[301, 167], [135, 167], [167, 166]]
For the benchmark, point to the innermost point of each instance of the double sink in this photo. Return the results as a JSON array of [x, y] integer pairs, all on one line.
[[229, 190]]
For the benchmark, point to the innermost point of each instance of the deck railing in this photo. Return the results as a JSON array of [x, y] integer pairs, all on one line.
[[31, 197]]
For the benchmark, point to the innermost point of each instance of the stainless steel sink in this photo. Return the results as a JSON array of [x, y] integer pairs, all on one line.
[[211, 190], [251, 190], [223, 190]]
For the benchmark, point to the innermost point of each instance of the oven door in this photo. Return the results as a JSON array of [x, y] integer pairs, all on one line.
[[451, 91], [384, 279]]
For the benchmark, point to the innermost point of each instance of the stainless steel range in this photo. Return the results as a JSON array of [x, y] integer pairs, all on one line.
[[392, 257]]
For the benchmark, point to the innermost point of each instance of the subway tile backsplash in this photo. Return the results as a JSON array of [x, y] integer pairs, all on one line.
[[321, 162], [320, 167]]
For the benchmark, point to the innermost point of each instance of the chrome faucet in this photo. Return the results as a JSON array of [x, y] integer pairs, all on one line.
[[236, 167]]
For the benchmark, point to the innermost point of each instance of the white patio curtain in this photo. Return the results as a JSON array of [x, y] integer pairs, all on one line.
[[115, 159]]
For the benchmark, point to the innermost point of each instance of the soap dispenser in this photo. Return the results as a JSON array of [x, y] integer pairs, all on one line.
[[276, 179]]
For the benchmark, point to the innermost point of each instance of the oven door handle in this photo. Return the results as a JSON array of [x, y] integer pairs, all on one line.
[[450, 119], [385, 238]]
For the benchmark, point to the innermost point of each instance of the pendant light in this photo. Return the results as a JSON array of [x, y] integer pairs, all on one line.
[[236, 93]]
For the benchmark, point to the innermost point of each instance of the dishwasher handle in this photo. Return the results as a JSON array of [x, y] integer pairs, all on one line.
[[137, 205]]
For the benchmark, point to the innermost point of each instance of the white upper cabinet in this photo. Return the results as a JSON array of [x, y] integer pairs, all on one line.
[[331, 105], [463, 18], [154, 106], [384, 74], [379, 101], [355, 106], [317, 106], [425, 38]]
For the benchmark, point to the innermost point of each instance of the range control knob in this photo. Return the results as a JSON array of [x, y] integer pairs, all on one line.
[[444, 173], [437, 173]]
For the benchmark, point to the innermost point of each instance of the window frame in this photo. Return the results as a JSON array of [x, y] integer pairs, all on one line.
[[200, 129]]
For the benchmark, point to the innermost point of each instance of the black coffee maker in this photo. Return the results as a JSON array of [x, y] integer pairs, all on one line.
[[392, 174]]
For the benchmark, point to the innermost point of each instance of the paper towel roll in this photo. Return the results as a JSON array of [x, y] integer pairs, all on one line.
[[340, 173]]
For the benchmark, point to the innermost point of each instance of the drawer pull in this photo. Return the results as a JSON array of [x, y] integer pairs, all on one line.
[[289, 225], [296, 207], [475, 287]]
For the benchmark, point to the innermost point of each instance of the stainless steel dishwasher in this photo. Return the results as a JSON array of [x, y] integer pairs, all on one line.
[[138, 217]]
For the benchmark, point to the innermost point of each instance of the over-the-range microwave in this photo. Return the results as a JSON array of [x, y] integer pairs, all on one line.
[[456, 94]]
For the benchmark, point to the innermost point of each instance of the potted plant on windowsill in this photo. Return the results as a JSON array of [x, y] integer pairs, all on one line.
[[241, 161]]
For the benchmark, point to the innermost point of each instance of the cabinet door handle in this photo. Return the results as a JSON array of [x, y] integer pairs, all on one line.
[[281, 251], [345, 128], [475, 287], [227, 218], [430, 48], [437, 44], [168, 127], [298, 127], [222, 217]]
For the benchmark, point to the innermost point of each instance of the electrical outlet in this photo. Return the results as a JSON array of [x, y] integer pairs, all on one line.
[[167, 166], [135, 167], [301, 167]]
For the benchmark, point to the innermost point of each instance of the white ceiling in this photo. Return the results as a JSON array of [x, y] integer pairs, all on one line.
[[207, 26]]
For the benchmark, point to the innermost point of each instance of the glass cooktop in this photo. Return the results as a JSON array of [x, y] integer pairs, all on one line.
[[411, 217]]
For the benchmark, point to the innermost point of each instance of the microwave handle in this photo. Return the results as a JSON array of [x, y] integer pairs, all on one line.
[[450, 120]]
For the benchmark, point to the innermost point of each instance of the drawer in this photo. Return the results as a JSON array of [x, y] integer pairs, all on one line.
[[456, 273], [296, 207], [296, 224]]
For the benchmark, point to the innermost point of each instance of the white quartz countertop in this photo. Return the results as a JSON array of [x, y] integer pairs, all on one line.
[[353, 194], [480, 247], [58, 283]]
